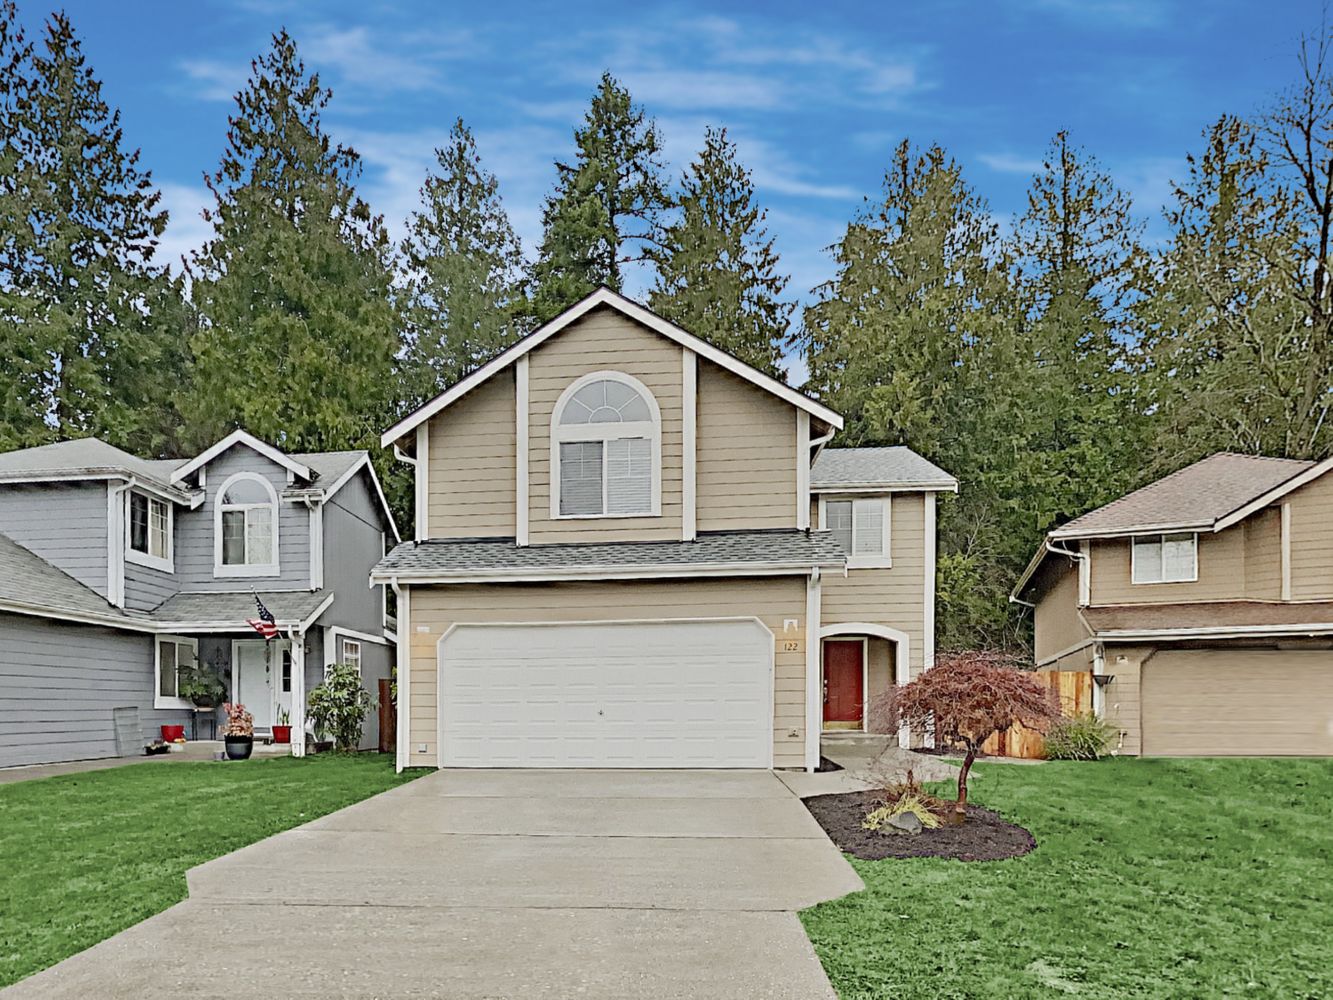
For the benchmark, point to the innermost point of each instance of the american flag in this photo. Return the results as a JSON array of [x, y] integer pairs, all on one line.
[[266, 625]]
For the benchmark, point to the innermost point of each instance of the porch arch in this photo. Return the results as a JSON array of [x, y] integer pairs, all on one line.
[[902, 661]]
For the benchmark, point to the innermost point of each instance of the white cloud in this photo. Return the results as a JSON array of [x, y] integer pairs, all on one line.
[[216, 80], [186, 230], [1009, 163]]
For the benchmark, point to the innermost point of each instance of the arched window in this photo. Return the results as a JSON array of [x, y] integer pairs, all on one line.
[[245, 527], [606, 449]]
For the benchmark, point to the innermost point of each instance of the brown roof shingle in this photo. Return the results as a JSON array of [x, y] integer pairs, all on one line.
[[1195, 496], [1209, 615]]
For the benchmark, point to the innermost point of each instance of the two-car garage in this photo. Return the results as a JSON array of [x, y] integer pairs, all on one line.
[[1238, 702], [613, 694]]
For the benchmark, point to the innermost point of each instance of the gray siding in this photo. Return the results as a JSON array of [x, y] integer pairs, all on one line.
[[194, 532], [376, 662], [65, 524], [59, 683], [145, 587], [353, 540]]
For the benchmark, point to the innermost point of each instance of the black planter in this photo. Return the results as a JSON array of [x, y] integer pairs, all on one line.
[[239, 747]]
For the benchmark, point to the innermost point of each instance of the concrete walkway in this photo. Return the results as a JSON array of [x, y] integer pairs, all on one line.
[[498, 884]]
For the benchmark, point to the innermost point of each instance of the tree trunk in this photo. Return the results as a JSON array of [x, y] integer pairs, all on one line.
[[960, 806]]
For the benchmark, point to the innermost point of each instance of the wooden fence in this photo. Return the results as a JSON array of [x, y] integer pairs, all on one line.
[[388, 717], [1075, 690]]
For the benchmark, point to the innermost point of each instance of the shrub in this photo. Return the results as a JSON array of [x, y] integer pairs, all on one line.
[[879, 818], [239, 721], [1079, 737], [339, 706]]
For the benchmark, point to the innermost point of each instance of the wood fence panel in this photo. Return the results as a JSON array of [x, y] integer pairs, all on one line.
[[388, 717], [1074, 688]]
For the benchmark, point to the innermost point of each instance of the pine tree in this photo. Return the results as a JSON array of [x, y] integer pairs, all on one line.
[[298, 330], [1077, 249], [917, 340], [717, 269], [464, 265], [606, 209], [92, 332]]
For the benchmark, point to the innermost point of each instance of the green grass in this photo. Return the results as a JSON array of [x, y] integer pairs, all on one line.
[[84, 856], [1153, 878]]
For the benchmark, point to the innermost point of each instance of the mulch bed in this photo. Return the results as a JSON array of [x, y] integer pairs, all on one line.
[[986, 836]]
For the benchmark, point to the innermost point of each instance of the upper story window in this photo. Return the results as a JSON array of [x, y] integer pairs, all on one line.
[[606, 449], [352, 653], [1165, 558], [148, 540], [861, 527], [245, 527]]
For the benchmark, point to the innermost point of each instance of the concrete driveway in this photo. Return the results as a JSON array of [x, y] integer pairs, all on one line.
[[497, 884]]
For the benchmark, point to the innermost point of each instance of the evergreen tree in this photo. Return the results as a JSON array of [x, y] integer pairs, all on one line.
[[464, 265], [606, 209], [92, 332], [1077, 249], [298, 331], [717, 269], [918, 340]]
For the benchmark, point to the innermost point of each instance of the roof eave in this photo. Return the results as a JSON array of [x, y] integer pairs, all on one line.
[[1214, 632], [1064, 534], [897, 486], [531, 575]]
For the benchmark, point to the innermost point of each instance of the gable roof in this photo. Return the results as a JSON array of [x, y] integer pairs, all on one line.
[[626, 307], [1199, 497], [86, 458], [894, 467], [254, 444]]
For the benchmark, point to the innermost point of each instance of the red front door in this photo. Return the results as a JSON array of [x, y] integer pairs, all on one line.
[[843, 684]]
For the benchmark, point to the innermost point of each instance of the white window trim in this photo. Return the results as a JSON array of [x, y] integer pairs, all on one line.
[[1161, 537], [159, 700], [249, 569], [652, 430], [884, 561], [359, 654], [133, 555]]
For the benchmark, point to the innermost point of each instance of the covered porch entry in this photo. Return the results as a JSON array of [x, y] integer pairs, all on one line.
[[859, 663]]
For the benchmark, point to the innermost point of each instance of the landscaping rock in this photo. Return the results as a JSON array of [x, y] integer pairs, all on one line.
[[905, 823]]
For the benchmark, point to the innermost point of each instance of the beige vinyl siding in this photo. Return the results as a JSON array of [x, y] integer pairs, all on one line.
[[1056, 623], [1263, 555], [1121, 695], [603, 341], [472, 463], [746, 454], [880, 664], [772, 600], [1312, 540], [895, 597], [1230, 702], [1221, 564], [1079, 659]]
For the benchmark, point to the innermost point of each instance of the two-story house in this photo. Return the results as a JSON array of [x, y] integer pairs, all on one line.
[[1203, 605], [116, 572], [634, 550]]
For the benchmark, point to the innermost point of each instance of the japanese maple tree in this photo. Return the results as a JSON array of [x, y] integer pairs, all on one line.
[[966, 698]]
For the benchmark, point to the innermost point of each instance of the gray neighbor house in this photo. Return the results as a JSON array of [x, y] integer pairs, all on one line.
[[116, 570]]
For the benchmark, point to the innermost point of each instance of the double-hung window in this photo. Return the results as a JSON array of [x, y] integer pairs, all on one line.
[[148, 540], [352, 653], [861, 527], [246, 527], [606, 449], [1170, 558]]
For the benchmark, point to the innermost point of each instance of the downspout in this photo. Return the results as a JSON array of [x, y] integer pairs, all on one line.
[[817, 445], [402, 656], [403, 456], [116, 527]]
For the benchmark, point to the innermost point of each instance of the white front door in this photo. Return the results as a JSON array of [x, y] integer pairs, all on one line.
[[252, 680], [631, 694]]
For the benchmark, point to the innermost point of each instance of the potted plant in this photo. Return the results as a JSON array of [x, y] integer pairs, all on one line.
[[239, 735], [339, 706], [202, 685], [282, 729]]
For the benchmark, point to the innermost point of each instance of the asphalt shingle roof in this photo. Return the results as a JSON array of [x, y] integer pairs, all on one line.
[[28, 580], [289, 607], [84, 455], [1197, 495], [895, 466], [1206, 614], [740, 549]]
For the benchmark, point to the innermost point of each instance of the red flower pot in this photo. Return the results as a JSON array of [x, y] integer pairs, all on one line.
[[282, 734], [173, 733]]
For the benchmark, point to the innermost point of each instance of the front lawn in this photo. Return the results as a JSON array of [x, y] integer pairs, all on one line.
[[1151, 878], [83, 856]]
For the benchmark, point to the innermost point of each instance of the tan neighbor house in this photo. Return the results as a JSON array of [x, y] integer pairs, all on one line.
[[634, 550], [1205, 602]]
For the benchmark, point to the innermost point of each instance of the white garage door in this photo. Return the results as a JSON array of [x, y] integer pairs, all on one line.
[[657, 694]]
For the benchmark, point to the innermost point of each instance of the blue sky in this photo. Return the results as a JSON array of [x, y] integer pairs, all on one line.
[[816, 94]]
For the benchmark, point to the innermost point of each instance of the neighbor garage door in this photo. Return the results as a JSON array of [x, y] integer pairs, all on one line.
[[658, 694], [1236, 703]]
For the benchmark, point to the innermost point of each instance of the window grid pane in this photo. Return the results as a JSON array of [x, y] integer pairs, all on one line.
[[629, 476], [166, 681], [1148, 560], [138, 523], [868, 528], [157, 533], [233, 537], [1178, 558], [258, 536], [838, 514]]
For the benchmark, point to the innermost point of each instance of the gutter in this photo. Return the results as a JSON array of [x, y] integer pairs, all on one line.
[[599, 573]]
